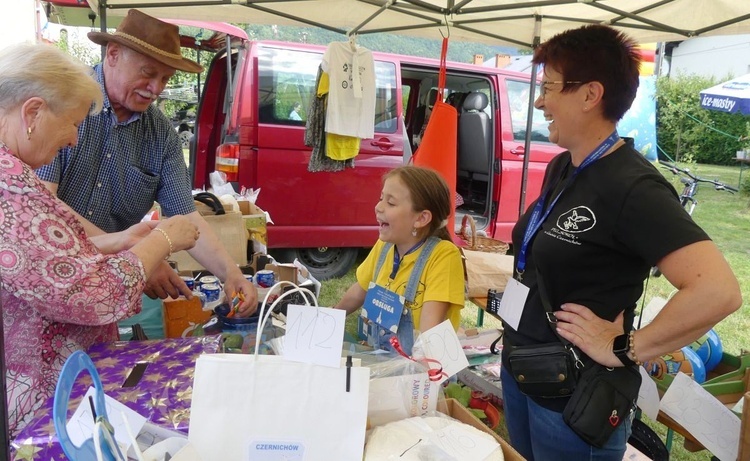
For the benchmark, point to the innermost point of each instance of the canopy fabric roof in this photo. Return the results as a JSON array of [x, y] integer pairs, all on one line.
[[732, 96], [509, 22]]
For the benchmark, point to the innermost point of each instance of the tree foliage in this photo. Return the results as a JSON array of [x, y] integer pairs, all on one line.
[[690, 133]]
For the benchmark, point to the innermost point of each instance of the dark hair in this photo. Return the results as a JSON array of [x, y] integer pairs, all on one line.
[[428, 191], [596, 53]]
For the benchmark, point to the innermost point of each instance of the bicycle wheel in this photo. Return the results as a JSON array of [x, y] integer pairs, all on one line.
[[645, 440]]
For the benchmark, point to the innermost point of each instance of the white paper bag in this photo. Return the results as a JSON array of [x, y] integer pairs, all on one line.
[[265, 407]]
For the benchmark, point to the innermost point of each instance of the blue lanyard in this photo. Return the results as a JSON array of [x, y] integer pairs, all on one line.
[[539, 214], [397, 258]]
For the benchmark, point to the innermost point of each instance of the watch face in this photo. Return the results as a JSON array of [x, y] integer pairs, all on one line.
[[621, 344]]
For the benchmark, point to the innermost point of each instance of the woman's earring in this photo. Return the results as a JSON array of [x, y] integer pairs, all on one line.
[[414, 232], [28, 133]]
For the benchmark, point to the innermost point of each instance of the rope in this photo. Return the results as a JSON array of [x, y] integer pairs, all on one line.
[[737, 138]]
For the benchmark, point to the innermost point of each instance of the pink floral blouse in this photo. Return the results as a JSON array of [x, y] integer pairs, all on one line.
[[59, 293]]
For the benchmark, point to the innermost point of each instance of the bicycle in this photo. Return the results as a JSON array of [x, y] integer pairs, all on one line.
[[690, 190]]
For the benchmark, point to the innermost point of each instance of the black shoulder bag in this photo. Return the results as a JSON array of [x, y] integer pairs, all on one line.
[[546, 370], [603, 397]]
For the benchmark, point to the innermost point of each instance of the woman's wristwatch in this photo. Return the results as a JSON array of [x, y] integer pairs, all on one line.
[[621, 346]]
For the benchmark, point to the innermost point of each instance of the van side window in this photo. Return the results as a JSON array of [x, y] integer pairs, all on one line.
[[518, 98], [286, 79], [287, 84]]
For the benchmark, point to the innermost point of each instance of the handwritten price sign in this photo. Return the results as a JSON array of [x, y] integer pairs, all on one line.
[[314, 335], [442, 344]]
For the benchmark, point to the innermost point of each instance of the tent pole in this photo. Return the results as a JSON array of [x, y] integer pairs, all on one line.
[[103, 24], [356, 29], [5, 437], [529, 118]]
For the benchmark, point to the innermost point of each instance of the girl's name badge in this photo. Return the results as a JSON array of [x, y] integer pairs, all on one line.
[[513, 302], [383, 307]]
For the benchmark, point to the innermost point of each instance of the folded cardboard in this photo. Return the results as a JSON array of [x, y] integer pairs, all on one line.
[[182, 316], [230, 230], [283, 272], [452, 408]]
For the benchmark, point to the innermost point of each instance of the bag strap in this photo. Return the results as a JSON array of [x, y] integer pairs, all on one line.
[[552, 320], [211, 200]]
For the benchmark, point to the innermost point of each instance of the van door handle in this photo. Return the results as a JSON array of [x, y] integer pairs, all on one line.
[[518, 151], [383, 143]]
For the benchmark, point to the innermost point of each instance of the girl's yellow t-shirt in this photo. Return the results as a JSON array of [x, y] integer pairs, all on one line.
[[442, 278]]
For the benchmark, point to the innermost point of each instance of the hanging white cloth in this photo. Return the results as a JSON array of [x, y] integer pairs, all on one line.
[[351, 98]]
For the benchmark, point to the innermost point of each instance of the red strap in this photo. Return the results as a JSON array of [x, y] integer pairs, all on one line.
[[435, 374], [441, 75]]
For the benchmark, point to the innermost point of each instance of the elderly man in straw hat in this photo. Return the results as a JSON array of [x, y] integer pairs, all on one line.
[[129, 156]]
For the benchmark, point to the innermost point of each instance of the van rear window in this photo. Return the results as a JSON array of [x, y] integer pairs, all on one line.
[[287, 84], [518, 99]]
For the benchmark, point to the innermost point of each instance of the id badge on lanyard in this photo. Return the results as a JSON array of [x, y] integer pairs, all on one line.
[[383, 307]]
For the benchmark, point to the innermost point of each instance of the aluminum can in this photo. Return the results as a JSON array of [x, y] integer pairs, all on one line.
[[211, 290], [208, 279], [189, 281], [201, 296], [265, 278]]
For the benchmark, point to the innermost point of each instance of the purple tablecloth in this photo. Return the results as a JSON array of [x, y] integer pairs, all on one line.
[[163, 395]]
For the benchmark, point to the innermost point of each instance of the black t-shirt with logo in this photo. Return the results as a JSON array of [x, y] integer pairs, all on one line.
[[617, 218]]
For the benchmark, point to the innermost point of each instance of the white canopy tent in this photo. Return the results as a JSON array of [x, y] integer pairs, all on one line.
[[490, 21], [506, 22]]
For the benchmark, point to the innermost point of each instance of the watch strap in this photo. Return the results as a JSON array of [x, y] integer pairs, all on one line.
[[622, 352]]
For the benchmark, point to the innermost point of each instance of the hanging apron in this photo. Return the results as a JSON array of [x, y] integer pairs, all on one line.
[[379, 337]]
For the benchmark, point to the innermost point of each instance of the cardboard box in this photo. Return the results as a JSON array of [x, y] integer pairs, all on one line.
[[452, 408], [230, 230], [182, 315], [283, 272]]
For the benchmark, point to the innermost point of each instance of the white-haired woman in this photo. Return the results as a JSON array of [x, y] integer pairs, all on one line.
[[61, 291]]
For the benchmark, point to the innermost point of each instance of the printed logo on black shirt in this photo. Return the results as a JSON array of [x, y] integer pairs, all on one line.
[[579, 219]]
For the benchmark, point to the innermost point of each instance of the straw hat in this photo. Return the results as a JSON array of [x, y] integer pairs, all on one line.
[[151, 37]]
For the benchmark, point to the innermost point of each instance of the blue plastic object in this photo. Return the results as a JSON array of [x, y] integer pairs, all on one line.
[[716, 350], [78, 361], [699, 369], [709, 349]]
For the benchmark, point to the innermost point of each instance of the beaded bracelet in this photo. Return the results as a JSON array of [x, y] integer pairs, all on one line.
[[169, 241], [631, 347]]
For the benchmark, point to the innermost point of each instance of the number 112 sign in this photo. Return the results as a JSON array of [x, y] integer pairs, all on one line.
[[314, 335]]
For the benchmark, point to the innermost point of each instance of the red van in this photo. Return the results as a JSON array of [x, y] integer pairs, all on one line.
[[246, 129]]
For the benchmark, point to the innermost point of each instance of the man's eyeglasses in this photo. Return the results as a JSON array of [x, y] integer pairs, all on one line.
[[543, 86]]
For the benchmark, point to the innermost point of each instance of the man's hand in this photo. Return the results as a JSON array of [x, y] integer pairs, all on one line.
[[237, 283], [164, 282]]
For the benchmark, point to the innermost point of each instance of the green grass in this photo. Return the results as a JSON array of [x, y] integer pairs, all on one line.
[[725, 217]]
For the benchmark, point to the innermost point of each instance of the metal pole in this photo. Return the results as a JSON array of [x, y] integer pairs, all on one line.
[[5, 437], [529, 119], [103, 25]]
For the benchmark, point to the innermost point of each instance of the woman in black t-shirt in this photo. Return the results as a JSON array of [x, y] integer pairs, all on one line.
[[606, 216]]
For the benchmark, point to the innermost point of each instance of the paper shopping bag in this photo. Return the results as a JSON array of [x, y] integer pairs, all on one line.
[[247, 407], [485, 271]]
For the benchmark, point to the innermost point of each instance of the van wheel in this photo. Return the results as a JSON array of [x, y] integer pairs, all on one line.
[[326, 262]]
